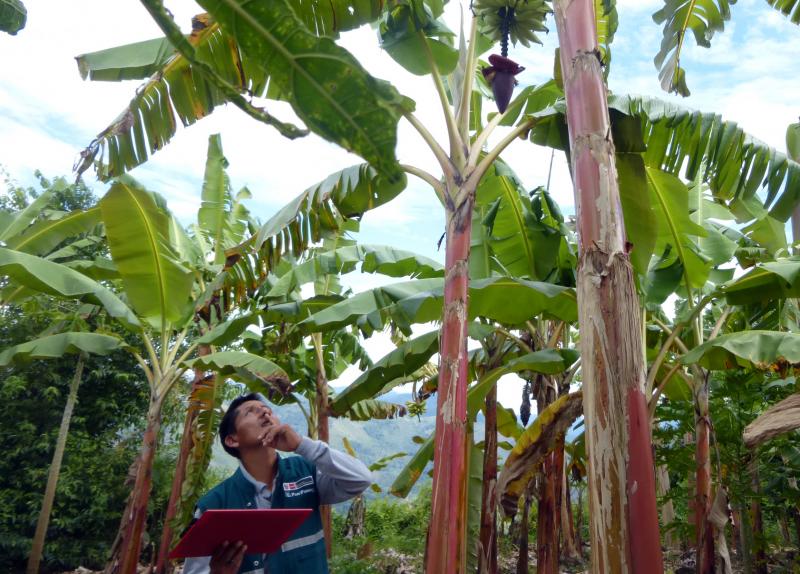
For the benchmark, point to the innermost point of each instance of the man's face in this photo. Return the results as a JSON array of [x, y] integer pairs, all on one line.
[[252, 420]]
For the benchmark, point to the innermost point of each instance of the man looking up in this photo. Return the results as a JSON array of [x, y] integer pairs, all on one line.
[[251, 432]]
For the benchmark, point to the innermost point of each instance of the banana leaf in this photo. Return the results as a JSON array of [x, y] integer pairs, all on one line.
[[534, 443], [768, 281], [327, 87], [56, 346], [61, 281], [157, 284], [747, 349]]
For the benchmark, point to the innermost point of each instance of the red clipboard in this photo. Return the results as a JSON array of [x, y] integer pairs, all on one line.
[[262, 530]]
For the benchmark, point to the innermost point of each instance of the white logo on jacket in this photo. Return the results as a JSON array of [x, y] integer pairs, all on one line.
[[298, 487]]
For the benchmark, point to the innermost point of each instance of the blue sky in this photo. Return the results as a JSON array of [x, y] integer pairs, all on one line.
[[751, 75]]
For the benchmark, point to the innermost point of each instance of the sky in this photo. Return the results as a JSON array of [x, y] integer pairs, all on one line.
[[48, 114]]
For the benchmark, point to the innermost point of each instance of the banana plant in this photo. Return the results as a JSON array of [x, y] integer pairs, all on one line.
[[703, 18], [412, 33], [160, 289]]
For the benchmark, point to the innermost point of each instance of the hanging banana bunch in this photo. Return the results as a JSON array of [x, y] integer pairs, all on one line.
[[504, 20]]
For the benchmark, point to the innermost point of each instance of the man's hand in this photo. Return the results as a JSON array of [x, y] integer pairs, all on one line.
[[279, 435], [227, 558]]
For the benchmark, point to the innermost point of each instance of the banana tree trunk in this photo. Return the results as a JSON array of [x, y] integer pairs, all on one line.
[[759, 541], [579, 521], [37, 547], [622, 494], [488, 533], [704, 536], [548, 506], [446, 551], [569, 547], [549, 515], [667, 508], [163, 566], [524, 529], [125, 551], [323, 428]]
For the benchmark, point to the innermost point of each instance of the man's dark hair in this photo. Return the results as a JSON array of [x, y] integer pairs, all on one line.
[[228, 423]]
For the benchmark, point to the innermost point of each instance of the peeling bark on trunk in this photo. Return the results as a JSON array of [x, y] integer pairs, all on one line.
[[487, 561], [354, 524], [446, 548], [622, 495], [125, 552], [163, 566], [37, 547], [704, 535]]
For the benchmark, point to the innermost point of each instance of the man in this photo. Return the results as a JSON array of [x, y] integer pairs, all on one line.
[[251, 432]]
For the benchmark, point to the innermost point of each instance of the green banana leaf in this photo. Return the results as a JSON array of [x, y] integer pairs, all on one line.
[[778, 279], [476, 396], [410, 473], [234, 363], [129, 62], [535, 442], [546, 361], [61, 281], [157, 284], [703, 18], [521, 242], [22, 219], [406, 28], [179, 93], [211, 216], [13, 16], [326, 86], [746, 349], [507, 300], [606, 22], [318, 210], [374, 258], [99, 268], [507, 424], [44, 235], [56, 346], [693, 145], [229, 331], [380, 378]]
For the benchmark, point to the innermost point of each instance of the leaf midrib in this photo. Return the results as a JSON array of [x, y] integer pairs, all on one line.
[[57, 223], [289, 57], [153, 241]]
